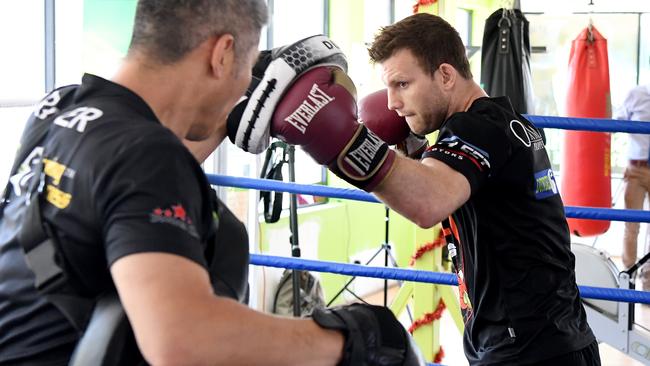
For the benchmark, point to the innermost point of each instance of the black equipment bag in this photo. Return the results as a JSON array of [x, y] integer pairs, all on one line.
[[272, 169], [505, 59], [311, 294]]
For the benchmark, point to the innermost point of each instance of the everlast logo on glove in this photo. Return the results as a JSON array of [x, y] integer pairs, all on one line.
[[316, 100], [365, 154], [319, 113]]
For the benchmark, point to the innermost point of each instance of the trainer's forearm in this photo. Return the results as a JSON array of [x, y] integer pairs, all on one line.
[[248, 337]]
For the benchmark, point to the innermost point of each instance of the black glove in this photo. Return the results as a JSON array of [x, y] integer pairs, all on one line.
[[373, 336]]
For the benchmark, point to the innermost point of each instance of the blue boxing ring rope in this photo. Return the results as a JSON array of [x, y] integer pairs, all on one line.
[[358, 195], [589, 124], [402, 274], [593, 124], [409, 274]]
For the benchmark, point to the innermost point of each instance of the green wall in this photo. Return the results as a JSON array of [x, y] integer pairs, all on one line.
[[106, 33], [110, 21]]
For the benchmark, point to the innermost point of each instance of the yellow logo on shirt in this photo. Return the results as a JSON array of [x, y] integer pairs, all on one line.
[[57, 197], [53, 194]]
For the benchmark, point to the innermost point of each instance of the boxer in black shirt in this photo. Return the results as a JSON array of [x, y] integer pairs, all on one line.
[[487, 178], [514, 263]]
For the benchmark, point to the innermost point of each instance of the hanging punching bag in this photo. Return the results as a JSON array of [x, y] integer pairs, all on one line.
[[505, 59], [585, 165]]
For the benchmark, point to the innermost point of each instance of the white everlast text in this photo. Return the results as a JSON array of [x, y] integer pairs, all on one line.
[[361, 158], [316, 100]]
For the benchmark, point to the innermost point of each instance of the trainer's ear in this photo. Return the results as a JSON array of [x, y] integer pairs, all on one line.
[[223, 55]]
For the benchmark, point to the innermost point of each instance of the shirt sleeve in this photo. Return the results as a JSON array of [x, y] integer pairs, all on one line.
[[150, 200], [623, 112], [471, 145]]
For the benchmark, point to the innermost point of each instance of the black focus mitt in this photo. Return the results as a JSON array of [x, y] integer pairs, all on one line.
[[249, 122], [373, 336]]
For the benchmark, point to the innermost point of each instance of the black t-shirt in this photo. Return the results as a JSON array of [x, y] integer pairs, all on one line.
[[117, 183], [516, 274]]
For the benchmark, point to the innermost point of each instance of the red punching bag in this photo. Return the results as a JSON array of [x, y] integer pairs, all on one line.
[[586, 163]]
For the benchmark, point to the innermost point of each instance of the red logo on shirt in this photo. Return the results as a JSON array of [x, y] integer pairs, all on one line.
[[179, 212], [175, 211], [175, 215]]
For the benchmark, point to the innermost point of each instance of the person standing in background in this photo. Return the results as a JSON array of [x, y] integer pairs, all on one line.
[[636, 107]]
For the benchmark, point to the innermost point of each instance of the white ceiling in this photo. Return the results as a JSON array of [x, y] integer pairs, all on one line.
[[573, 6]]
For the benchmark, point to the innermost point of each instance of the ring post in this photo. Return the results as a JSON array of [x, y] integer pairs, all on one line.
[[293, 226]]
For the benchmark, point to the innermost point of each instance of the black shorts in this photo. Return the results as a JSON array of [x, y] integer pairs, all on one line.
[[588, 356]]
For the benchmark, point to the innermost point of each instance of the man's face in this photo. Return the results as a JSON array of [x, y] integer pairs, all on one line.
[[413, 93]]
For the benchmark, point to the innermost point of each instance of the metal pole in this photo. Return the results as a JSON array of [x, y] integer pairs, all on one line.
[[293, 225], [386, 249], [326, 17], [49, 46], [638, 49], [269, 27]]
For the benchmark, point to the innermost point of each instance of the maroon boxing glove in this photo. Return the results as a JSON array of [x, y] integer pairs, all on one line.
[[319, 113], [389, 126]]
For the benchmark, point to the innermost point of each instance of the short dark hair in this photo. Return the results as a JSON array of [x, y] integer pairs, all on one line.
[[430, 38], [168, 29]]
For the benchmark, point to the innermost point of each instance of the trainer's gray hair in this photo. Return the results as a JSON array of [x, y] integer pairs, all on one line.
[[168, 29]]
